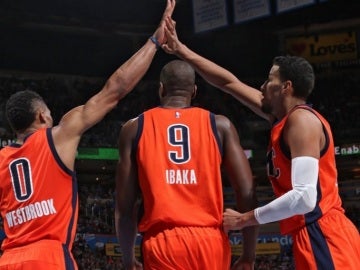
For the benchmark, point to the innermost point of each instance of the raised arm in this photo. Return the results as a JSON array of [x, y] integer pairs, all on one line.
[[213, 73], [238, 170], [68, 133]]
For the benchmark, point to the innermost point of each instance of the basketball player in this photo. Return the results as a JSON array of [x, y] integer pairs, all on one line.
[[38, 189], [300, 161], [171, 156]]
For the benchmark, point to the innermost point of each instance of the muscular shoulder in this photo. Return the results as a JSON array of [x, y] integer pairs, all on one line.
[[226, 129], [303, 119], [222, 122], [128, 130], [304, 134], [131, 123]]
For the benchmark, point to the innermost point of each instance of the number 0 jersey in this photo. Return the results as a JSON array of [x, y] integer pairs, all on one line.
[[38, 194], [179, 158]]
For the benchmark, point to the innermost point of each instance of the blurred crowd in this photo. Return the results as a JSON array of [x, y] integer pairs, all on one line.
[[335, 96]]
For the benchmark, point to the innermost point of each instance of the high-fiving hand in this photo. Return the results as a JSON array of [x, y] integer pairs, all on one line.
[[160, 31], [172, 44]]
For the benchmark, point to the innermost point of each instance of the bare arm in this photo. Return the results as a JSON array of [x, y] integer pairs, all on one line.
[[127, 193], [213, 73], [304, 136], [68, 133], [238, 169]]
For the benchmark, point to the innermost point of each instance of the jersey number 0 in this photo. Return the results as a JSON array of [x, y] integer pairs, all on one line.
[[20, 170]]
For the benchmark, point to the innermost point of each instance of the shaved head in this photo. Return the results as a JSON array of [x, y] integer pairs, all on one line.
[[178, 75]]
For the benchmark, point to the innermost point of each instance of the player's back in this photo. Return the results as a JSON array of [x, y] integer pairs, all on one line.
[[38, 194], [179, 157]]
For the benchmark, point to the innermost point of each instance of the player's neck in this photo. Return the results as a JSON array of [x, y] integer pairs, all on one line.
[[20, 137], [176, 102]]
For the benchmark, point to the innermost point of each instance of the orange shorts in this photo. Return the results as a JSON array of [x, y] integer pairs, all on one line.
[[41, 255], [184, 248], [333, 242]]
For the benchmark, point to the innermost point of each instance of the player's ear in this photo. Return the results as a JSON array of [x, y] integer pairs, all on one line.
[[162, 90], [41, 116], [287, 87], [193, 95]]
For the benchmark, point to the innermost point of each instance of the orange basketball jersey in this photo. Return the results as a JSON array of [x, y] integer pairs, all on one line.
[[279, 172], [38, 194], [185, 176]]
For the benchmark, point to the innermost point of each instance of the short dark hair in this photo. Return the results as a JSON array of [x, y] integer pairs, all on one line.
[[178, 75], [20, 109], [297, 70]]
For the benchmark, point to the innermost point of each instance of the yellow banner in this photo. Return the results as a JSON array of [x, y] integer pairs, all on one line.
[[261, 249], [112, 249], [321, 48]]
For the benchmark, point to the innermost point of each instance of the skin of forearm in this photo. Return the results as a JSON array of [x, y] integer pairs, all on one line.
[[124, 79], [126, 236], [250, 233], [223, 79], [214, 74]]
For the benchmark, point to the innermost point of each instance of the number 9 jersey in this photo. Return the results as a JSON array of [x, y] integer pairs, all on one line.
[[185, 178]]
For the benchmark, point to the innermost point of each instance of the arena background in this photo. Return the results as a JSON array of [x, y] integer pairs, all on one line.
[[65, 49]]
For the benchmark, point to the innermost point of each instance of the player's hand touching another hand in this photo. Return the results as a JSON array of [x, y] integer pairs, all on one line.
[[159, 34], [173, 43], [233, 220]]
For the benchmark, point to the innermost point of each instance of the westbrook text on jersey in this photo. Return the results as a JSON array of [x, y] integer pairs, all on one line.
[[31, 211]]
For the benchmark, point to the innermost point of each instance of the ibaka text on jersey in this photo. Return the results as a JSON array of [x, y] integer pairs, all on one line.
[[181, 177], [31, 211]]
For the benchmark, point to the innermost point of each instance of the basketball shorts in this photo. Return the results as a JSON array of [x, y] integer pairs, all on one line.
[[41, 255], [184, 248], [333, 242]]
